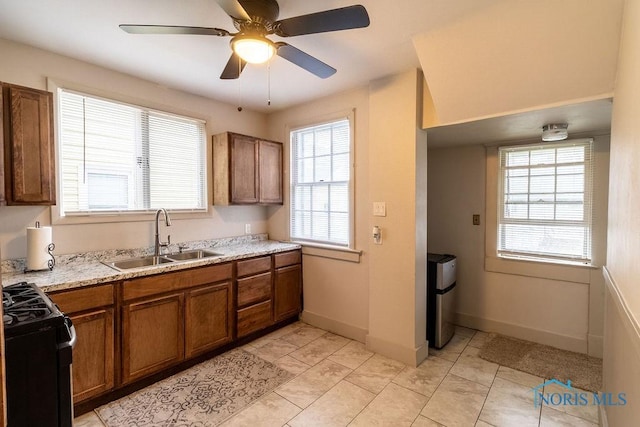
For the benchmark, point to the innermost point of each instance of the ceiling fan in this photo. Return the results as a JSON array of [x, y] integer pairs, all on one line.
[[256, 19]]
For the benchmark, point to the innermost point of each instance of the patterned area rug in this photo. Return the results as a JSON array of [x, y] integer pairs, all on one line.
[[204, 395], [544, 361]]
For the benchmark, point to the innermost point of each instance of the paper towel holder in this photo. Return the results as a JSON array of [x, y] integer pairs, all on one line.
[[50, 247], [52, 262]]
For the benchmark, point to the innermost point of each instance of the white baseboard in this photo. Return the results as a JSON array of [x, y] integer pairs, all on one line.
[[564, 342], [339, 328], [408, 356], [602, 416], [595, 345]]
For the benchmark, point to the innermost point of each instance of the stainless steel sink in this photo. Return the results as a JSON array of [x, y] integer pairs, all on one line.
[[150, 261], [145, 261], [192, 255]]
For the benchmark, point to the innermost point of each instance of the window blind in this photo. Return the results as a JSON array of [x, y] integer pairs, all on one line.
[[545, 202], [321, 183], [118, 157]]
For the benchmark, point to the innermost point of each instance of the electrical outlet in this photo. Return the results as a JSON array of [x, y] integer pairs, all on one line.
[[476, 219], [247, 229]]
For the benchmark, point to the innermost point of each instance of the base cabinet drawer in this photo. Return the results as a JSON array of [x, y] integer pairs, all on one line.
[[254, 289], [254, 318]]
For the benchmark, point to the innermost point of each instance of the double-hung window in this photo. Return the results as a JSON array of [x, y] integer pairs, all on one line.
[[545, 201], [322, 183], [117, 157]]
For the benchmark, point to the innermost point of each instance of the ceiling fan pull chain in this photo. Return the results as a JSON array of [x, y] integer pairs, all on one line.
[[269, 83], [239, 86]]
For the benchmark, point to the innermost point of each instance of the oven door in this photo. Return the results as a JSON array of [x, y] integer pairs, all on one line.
[[38, 376]]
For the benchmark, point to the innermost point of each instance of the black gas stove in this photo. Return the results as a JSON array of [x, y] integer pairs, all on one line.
[[38, 352]]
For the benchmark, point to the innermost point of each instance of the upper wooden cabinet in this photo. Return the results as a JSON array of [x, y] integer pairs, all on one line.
[[27, 137], [246, 170]]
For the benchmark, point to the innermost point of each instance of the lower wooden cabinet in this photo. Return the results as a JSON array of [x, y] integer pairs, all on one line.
[[161, 320], [93, 370], [167, 318], [91, 310], [152, 336], [208, 318], [287, 284], [255, 293], [288, 288]]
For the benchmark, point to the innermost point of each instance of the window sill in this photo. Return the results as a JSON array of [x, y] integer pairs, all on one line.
[[331, 252], [576, 273], [101, 218]]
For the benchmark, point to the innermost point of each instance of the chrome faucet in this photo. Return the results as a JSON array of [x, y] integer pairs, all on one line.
[[167, 221]]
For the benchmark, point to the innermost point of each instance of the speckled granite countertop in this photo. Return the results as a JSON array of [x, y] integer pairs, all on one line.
[[77, 270]]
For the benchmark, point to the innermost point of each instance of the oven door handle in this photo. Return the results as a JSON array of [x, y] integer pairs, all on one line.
[[74, 337]]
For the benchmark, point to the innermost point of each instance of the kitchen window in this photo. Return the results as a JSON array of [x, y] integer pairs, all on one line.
[[322, 183], [545, 201], [123, 158]]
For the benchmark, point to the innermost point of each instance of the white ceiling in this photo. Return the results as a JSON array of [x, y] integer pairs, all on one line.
[[88, 30], [585, 119]]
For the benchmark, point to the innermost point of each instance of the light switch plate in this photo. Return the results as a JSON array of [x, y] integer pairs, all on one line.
[[379, 209]]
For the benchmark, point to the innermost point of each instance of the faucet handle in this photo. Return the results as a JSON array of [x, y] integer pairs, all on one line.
[[182, 247], [167, 243]]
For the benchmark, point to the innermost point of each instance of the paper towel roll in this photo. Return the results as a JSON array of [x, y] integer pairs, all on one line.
[[38, 239]]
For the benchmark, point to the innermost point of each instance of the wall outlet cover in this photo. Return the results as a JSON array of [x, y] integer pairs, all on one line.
[[379, 209]]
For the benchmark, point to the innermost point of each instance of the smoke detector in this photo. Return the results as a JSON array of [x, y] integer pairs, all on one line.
[[554, 132]]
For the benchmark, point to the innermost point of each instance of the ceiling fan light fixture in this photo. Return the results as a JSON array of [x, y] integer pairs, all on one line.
[[253, 49], [555, 132]]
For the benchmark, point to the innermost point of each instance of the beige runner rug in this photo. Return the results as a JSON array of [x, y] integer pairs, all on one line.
[[203, 395], [544, 361]]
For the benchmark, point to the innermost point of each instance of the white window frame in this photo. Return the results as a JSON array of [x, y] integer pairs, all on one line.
[[350, 246], [586, 223], [57, 215]]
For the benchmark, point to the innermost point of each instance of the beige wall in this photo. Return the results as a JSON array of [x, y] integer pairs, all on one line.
[[381, 298], [559, 312], [622, 326], [32, 67], [476, 65], [336, 291], [397, 285]]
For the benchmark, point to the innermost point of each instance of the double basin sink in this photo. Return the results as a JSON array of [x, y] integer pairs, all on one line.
[[150, 261]]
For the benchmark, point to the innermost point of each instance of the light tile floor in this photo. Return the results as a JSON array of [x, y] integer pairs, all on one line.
[[339, 382]]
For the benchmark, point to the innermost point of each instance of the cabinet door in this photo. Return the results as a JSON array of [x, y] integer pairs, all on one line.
[[208, 318], [29, 151], [243, 170], [288, 287], [270, 172], [93, 354], [152, 336]]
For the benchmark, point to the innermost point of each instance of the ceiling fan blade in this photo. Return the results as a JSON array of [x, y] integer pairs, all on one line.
[[234, 9], [304, 60], [234, 67], [344, 18], [172, 29]]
